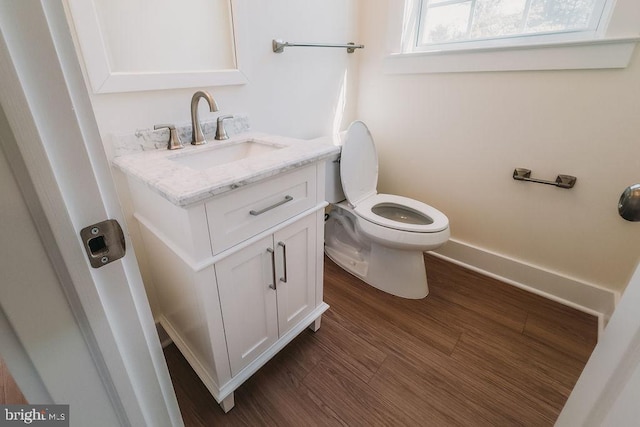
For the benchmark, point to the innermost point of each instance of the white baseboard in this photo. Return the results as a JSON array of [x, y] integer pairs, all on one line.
[[165, 339], [574, 293]]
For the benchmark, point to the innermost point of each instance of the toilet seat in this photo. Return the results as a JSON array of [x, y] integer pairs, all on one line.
[[359, 176], [434, 220]]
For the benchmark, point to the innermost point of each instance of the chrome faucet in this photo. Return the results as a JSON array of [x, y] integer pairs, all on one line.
[[197, 137]]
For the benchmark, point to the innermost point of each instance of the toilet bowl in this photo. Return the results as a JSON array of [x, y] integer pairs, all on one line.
[[379, 238]]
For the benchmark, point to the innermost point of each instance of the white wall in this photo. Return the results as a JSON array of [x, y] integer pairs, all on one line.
[[453, 140], [293, 93]]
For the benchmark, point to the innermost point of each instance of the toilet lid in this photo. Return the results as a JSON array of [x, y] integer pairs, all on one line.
[[358, 164]]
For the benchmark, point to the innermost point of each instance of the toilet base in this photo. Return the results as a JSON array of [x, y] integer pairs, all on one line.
[[397, 272]]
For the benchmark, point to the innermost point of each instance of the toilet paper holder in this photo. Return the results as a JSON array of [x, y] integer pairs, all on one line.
[[562, 181]]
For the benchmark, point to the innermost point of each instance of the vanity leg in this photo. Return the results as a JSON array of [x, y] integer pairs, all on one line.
[[316, 324], [227, 403]]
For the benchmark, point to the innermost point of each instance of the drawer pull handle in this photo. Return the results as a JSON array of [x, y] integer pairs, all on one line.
[[273, 268], [284, 261], [287, 198]]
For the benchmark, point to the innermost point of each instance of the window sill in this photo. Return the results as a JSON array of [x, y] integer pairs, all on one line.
[[592, 54]]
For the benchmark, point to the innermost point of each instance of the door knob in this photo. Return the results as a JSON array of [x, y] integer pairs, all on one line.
[[629, 203]]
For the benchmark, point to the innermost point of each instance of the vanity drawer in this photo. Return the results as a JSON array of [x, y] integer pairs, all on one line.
[[247, 211]]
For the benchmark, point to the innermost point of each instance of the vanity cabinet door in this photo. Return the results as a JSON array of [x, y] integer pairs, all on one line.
[[295, 248], [248, 302]]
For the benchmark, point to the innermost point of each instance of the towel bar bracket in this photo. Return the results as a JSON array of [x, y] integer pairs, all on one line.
[[562, 181]]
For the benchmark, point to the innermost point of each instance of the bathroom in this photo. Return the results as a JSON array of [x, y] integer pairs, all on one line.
[[449, 139]]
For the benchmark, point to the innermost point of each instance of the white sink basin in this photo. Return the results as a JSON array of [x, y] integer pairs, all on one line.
[[205, 159]]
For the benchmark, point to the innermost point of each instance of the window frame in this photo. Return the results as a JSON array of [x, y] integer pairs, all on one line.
[[596, 20], [610, 45]]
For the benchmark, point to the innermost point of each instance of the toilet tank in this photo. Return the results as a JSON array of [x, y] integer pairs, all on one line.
[[333, 185]]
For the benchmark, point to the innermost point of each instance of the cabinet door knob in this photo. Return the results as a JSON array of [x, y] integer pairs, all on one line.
[[284, 261], [273, 268]]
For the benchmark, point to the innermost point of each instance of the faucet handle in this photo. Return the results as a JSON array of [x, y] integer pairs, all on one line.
[[174, 139], [220, 132]]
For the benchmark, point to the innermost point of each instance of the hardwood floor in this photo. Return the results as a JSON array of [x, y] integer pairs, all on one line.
[[10, 393], [475, 352]]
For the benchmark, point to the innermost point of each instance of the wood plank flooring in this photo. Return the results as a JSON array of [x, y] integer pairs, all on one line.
[[10, 393], [475, 352]]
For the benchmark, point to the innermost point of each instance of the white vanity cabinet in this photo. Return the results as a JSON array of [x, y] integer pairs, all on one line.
[[239, 275]]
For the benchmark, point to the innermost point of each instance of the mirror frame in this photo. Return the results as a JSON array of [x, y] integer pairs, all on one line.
[[104, 80]]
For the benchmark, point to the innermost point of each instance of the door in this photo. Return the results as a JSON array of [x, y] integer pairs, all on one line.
[[47, 126], [248, 302], [607, 391], [295, 248]]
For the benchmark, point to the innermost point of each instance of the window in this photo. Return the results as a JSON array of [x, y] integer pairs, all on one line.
[[435, 36], [458, 21]]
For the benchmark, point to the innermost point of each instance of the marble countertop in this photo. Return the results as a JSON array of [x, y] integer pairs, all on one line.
[[184, 186]]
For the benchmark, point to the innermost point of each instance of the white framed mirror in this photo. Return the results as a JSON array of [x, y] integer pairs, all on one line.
[[137, 45]]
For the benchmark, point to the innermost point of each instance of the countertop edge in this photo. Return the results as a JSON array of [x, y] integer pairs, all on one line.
[[244, 178], [201, 196]]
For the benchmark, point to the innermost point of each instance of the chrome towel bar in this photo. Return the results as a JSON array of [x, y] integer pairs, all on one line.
[[279, 45], [562, 181]]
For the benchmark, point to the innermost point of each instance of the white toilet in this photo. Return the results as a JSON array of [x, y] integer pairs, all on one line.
[[379, 238]]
